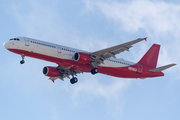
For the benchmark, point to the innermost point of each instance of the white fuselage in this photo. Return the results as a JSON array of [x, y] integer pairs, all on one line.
[[57, 51]]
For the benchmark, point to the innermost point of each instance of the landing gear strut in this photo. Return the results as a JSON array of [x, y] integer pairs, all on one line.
[[94, 71], [73, 80], [22, 61]]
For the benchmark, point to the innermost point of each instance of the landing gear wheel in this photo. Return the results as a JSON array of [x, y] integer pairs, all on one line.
[[73, 80], [22, 61], [94, 71]]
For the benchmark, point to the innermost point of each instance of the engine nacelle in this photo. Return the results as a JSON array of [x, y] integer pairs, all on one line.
[[50, 71], [82, 57]]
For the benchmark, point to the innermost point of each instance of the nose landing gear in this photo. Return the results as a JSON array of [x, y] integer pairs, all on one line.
[[22, 61]]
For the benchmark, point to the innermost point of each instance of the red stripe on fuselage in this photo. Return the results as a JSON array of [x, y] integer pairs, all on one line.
[[124, 72]]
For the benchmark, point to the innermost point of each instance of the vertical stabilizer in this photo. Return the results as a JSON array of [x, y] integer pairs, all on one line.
[[151, 57]]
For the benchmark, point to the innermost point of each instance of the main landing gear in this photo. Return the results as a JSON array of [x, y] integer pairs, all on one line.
[[73, 80], [94, 71], [22, 61]]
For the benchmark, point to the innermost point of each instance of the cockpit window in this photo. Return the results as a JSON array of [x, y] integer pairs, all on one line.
[[17, 39]]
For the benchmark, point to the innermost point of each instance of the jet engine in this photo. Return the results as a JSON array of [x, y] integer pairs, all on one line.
[[82, 57], [50, 71]]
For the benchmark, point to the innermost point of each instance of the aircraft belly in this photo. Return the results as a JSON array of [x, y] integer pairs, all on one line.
[[123, 72]]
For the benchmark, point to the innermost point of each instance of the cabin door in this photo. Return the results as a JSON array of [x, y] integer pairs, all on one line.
[[27, 43], [140, 69], [59, 49]]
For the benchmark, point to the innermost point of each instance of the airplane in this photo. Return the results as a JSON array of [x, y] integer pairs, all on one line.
[[71, 61]]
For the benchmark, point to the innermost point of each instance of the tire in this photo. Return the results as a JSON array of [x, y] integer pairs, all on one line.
[[73, 80], [22, 61], [94, 71]]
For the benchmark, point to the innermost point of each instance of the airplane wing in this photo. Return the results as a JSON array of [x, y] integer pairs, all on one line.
[[65, 73], [101, 55]]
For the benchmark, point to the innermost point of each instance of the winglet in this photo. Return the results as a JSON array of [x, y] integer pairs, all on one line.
[[53, 81], [145, 38]]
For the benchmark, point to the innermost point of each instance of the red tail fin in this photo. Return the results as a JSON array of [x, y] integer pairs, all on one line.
[[151, 57]]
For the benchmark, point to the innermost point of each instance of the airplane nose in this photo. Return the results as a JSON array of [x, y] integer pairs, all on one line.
[[6, 45]]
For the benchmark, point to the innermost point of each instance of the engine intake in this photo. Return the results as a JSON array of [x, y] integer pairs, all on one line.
[[50, 71], [82, 57]]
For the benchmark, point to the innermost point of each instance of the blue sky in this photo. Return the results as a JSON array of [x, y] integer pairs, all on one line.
[[90, 25]]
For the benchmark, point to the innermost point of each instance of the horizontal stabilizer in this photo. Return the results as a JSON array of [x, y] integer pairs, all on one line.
[[159, 69]]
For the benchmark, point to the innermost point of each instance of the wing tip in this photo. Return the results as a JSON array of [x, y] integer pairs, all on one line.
[[145, 38]]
